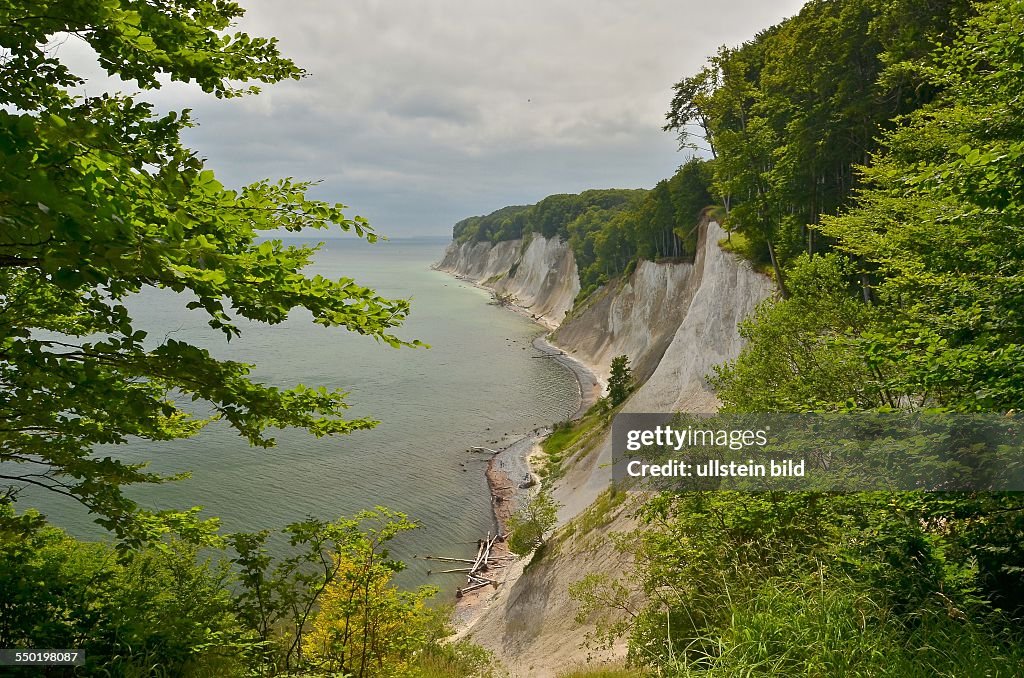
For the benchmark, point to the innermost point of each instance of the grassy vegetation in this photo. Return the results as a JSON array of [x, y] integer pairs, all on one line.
[[838, 629], [538, 554], [568, 436], [461, 659], [804, 584], [740, 245], [588, 296], [600, 673], [598, 514]]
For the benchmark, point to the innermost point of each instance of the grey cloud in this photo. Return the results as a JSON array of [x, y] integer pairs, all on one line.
[[421, 103], [420, 113]]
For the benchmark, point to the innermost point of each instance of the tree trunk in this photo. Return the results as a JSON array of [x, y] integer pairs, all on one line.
[[865, 284], [779, 278]]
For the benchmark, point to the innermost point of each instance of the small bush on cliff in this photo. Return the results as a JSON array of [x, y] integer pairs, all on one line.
[[533, 519], [620, 383]]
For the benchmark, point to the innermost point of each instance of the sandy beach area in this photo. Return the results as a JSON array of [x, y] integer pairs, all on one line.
[[509, 474], [510, 478]]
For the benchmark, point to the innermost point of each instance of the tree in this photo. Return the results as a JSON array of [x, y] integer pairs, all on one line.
[[690, 107], [365, 625], [532, 521], [938, 227], [127, 612], [936, 232], [327, 604], [99, 199], [799, 353], [331, 604], [620, 382], [789, 117]]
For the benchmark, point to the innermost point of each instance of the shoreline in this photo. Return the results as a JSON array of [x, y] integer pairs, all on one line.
[[588, 384], [585, 373], [509, 474]]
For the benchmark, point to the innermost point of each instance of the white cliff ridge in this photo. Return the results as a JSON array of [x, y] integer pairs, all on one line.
[[675, 321]]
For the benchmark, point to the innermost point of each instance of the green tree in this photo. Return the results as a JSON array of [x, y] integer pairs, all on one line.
[[326, 605], [98, 200], [937, 228], [789, 116], [127, 612], [801, 353], [528, 525], [690, 189], [335, 586], [691, 107], [620, 382], [365, 625], [920, 306]]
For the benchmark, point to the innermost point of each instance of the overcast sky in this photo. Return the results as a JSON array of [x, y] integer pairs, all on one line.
[[417, 114]]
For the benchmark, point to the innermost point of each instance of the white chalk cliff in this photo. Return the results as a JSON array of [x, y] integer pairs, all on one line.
[[539, 275], [675, 321]]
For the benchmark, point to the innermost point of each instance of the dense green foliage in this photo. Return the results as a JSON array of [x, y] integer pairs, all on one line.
[[663, 223], [328, 606], [550, 217], [534, 518], [792, 112], [873, 152], [790, 583], [147, 607], [919, 303], [99, 200]]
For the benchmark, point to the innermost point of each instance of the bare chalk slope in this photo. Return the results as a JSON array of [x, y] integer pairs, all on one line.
[[540, 276], [676, 321], [723, 292]]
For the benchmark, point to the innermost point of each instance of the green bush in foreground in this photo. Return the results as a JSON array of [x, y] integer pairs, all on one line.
[[836, 628], [326, 606], [156, 607], [811, 584]]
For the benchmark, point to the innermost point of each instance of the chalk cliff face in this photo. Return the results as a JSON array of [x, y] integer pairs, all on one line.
[[728, 291], [719, 292], [540, 275], [637, 318], [675, 322], [480, 261]]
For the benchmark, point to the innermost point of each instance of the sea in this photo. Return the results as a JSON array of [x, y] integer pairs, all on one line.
[[478, 384]]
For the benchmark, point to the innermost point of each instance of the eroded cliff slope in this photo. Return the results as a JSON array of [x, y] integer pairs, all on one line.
[[676, 321], [539, 274]]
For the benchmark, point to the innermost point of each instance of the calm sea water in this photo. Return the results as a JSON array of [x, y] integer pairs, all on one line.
[[477, 382]]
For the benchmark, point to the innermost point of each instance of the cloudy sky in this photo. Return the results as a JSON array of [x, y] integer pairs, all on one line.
[[417, 114]]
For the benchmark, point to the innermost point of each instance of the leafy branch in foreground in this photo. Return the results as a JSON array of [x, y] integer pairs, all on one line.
[[98, 201], [332, 605]]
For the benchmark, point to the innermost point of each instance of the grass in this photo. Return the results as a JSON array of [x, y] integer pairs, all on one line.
[[461, 659], [600, 673], [570, 434], [588, 296], [839, 629], [598, 514], [740, 245]]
